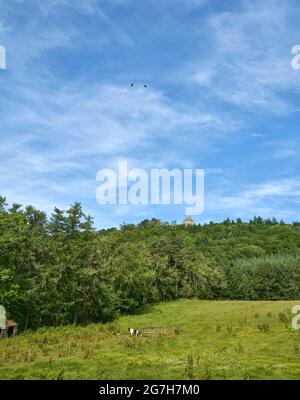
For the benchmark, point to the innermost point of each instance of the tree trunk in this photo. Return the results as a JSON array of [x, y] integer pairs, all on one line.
[[27, 320]]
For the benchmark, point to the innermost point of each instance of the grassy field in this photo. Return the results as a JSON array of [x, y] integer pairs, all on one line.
[[217, 340]]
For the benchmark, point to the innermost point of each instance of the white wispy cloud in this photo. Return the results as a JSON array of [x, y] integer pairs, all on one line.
[[58, 128], [266, 199], [247, 60]]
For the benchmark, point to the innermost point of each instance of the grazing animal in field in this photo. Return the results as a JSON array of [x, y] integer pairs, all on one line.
[[134, 332]]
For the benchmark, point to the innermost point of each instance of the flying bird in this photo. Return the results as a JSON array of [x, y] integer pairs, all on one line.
[[145, 86]]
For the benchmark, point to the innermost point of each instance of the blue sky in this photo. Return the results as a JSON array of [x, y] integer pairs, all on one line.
[[221, 96]]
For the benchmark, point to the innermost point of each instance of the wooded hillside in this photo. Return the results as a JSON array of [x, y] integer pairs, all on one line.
[[61, 270]]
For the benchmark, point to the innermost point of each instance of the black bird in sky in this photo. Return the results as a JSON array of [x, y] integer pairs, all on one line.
[[145, 86]]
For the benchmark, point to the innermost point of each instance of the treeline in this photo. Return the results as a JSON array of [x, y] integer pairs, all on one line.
[[61, 270]]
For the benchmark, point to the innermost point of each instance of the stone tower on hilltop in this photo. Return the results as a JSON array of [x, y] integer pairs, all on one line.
[[188, 221]]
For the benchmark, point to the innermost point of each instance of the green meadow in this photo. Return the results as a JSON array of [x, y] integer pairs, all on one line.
[[216, 340]]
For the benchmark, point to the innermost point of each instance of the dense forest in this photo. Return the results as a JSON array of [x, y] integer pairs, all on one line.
[[61, 270]]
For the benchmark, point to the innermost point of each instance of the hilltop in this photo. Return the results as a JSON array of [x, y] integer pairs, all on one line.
[[60, 270]]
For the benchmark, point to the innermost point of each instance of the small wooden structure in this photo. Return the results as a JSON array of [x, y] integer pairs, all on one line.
[[154, 331], [7, 326], [12, 327]]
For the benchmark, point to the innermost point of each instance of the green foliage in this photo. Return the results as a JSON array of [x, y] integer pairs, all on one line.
[[269, 277], [257, 349], [61, 271]]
